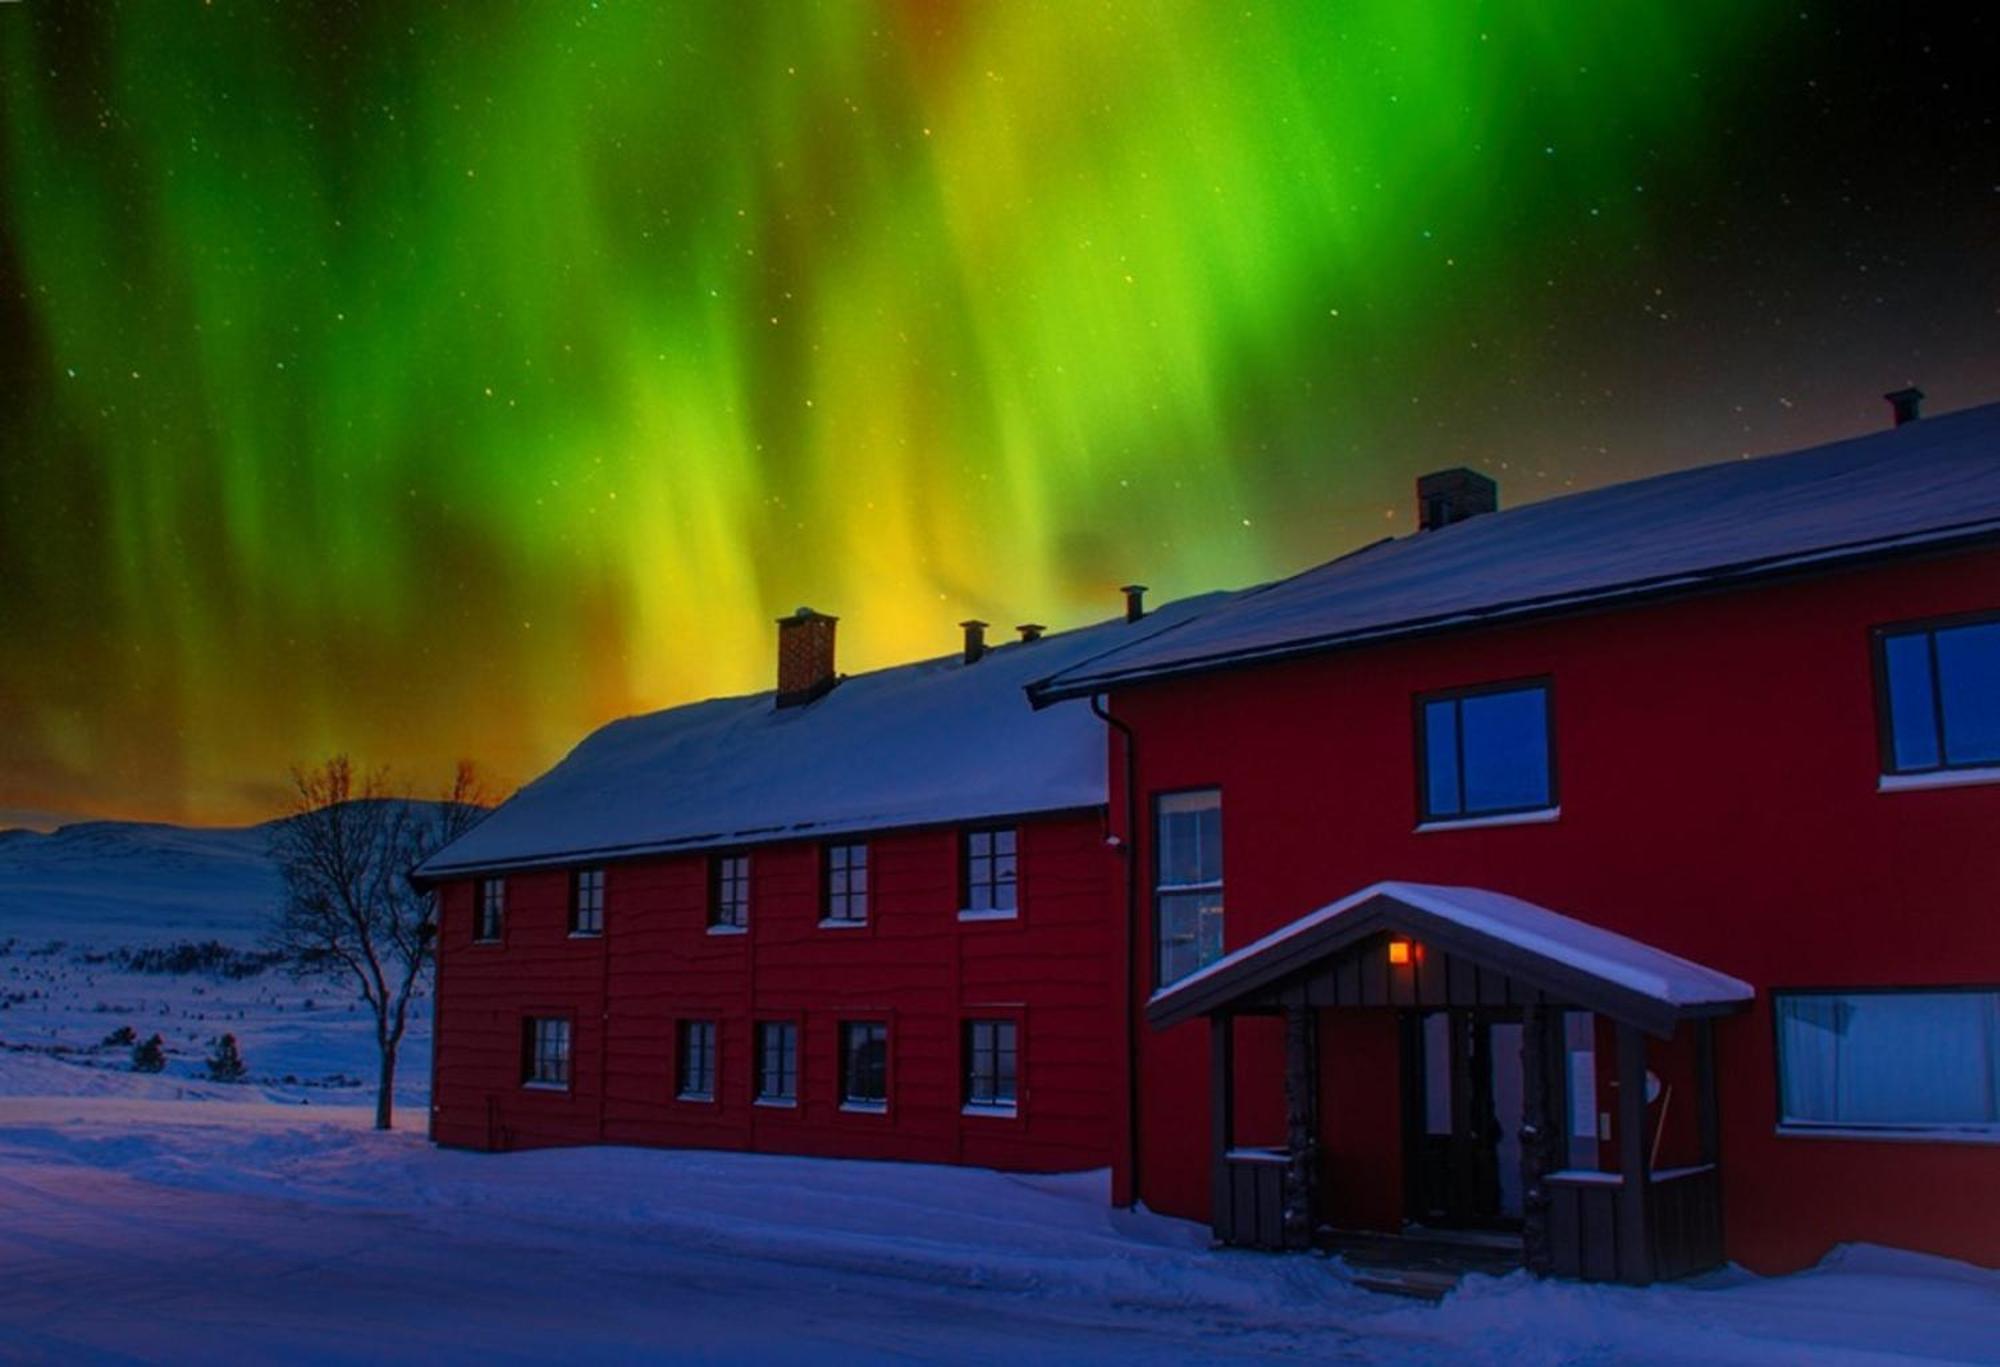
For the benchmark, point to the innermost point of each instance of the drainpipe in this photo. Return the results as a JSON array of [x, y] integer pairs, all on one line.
[[1132, 939]]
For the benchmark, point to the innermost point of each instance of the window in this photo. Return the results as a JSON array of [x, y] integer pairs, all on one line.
[[845, 885], [729, 891], [545, 1051], [492, 916], [1941, 697], [1486, 752], [778, 1063], [988, 873], [586, 902], [697, 1061], [864, 1065], [991, 1065], [1187, 886], [1898, 1060]]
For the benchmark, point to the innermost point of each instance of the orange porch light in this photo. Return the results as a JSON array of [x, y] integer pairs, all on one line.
[[1399, 952]]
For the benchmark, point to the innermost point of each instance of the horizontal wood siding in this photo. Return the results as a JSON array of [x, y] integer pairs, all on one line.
[[914, 966]]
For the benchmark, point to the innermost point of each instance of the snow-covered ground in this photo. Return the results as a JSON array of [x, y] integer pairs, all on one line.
[[167, 1218], [153, 1228], [158, 929]]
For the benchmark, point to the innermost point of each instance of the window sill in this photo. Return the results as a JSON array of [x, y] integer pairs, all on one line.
[[777, 1103], [1539, 817], [545, 1086], [696, 1098], [1009, 915], [1936, 1134], [843, 925], [586, 935], [1938, 778], [865, 1107], [991, 1110], [729, 930], [488, 944]]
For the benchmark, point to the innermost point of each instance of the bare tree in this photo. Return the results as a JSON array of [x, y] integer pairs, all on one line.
[[345, 850]]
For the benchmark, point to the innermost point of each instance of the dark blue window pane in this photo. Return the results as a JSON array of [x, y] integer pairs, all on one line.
[[1968, 662], [1506, 746], [1190, 837], [1912, 716], [1441, 759]]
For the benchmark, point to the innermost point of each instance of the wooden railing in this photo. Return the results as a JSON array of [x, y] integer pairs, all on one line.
[[1589, 1232], [1250, 1199]]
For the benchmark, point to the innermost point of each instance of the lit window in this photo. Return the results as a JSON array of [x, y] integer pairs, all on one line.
[[697, 1061], [778, 1063], [845, 884], [492, 909], [729, 890], [1187, 887], [1941, 708], [1487, 753], [586, 902], [991, 1064], [1891, 1060], [545, 1051], [864, 1064], [989, 872]]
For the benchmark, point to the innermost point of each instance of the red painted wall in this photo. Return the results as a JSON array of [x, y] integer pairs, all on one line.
[[1717, 771], [915, 965]]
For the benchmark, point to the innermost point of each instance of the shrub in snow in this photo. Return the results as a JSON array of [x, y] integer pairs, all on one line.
[[226, 1064], [123, 1035], [150, 1057]]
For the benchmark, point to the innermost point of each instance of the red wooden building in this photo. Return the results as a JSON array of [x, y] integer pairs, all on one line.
[[1609, 881], [1616, 873], [870, 916]]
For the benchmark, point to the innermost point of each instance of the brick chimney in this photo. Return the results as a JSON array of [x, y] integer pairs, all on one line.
[[805, 657], [1448, 496], [1906, 404], [975, 639], [1135, 601]]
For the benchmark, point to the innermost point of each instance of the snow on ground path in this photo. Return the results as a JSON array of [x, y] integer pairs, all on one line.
[[147, 1229]]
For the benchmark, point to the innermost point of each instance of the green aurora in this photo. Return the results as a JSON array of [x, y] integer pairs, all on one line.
[[424, 380]]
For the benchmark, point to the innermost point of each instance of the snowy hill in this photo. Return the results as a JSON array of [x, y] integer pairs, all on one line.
[[120, 881], [110, 925]]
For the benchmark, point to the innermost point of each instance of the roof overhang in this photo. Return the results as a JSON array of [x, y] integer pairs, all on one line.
[[1570, 961]]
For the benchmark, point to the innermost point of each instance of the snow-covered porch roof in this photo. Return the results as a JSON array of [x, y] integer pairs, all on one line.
[[1568, 961]]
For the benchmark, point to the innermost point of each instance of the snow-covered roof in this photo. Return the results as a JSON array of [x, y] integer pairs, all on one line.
[[1582, 963], [932, 742], [1927, 483]]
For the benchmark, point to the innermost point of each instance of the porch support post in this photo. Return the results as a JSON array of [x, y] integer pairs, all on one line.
[[1635, 1245], [1539, 1134], [1301, 1123], [1708, 1118], [1221, 1122]]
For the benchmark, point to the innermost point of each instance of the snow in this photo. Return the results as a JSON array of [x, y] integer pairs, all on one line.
[[1934, 480], [932, 742], [1605, 955], [94, 918], [178, 1230]]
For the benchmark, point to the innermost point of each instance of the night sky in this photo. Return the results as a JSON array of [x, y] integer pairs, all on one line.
[[428, 380]]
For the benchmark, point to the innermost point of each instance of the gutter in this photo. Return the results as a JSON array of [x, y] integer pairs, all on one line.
[[1129, 1007]]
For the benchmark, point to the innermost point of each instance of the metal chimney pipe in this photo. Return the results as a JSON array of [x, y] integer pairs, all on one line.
[[975, 639], [1906, 404], [1135, 601]]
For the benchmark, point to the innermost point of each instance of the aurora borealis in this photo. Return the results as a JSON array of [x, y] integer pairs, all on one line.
[[427, 380]]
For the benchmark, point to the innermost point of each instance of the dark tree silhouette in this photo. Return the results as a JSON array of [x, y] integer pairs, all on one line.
[[226, 1063], [345, 851], [149, 1057]]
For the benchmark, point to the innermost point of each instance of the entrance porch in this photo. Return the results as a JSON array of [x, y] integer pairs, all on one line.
[[1491, 998]]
